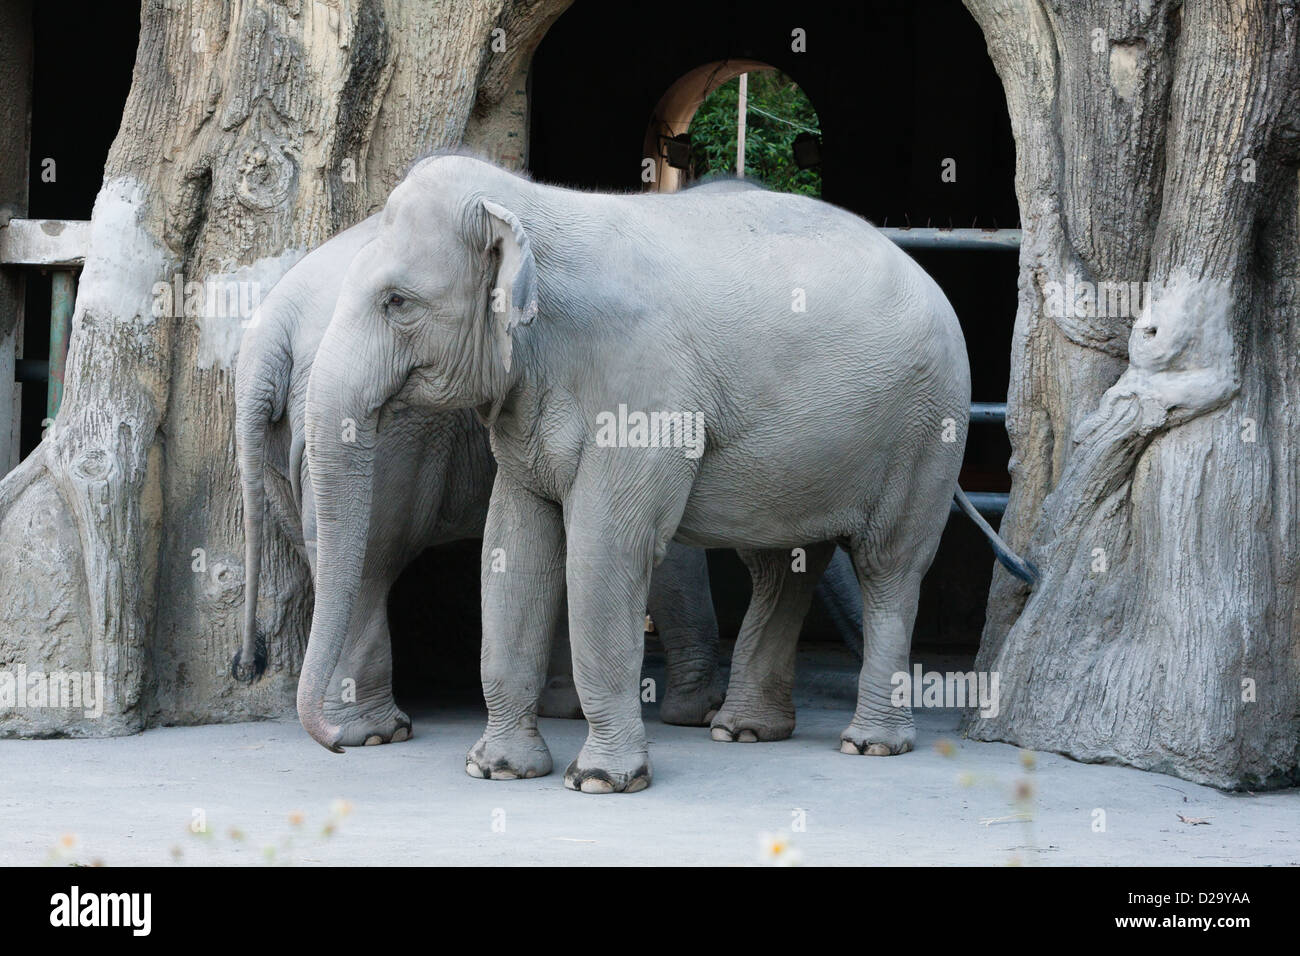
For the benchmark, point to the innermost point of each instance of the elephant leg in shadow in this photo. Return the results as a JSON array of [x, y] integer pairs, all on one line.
[[681, 606]]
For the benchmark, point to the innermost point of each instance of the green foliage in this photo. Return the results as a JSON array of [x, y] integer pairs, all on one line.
[[769, 158]]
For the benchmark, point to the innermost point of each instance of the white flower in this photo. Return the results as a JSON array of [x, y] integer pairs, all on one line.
[[775, 849]]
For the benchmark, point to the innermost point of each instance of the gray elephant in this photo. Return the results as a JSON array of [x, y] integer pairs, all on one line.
[[722, 367], [433, 476]]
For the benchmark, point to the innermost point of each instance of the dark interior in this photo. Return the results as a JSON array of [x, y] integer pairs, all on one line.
[[84, 52]]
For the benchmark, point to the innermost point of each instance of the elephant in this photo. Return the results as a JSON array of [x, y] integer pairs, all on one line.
[[434, 473], [722, 367]]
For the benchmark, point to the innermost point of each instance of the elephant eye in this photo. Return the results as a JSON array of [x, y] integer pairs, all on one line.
[[394, 301]]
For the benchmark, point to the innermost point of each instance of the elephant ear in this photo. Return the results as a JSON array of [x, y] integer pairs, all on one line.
[[512, 300]]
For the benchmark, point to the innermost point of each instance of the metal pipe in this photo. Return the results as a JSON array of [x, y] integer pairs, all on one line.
[[63, 297], [985, 502], [988, 412], [927, 238]]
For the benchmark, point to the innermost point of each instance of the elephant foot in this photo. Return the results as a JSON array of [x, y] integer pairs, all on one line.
[[559, 699], [609, 774], [520, 755], [382, 723], [878, 739], [749, 723], [690, 708]]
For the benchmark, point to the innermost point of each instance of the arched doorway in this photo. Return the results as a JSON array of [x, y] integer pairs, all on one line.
[[693, 128]]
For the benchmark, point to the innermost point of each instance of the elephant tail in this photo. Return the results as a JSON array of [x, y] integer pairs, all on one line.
[[1017, 565], [261, 394]]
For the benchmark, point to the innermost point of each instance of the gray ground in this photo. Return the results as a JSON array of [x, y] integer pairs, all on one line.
[[131, 800]]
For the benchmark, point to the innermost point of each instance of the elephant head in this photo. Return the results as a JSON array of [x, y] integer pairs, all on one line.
[[425, 317]]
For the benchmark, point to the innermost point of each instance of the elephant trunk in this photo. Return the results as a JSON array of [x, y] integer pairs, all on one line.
[[341, 425]]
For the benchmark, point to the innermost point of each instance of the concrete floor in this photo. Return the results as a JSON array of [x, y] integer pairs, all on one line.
[[131, 800]]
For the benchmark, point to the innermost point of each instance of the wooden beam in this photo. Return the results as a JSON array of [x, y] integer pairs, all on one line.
[[44, 242]]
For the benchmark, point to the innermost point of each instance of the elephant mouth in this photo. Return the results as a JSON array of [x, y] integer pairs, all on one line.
[[421, 383]]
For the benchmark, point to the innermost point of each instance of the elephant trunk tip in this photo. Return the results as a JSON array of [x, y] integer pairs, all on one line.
[[332, 748], [312, 717]]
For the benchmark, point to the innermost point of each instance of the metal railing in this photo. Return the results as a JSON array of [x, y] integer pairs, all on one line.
[[924, 237], [60, 246], [981, 413], [987, 502]]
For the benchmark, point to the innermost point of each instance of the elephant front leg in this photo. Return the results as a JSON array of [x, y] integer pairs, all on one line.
[[522, 593], [682, 609], [608, 584], [360, 697]]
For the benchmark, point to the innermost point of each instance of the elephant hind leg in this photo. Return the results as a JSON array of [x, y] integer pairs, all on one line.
[[890, 561], [559, 694], [890, 585], [682, 609], [760, 695]]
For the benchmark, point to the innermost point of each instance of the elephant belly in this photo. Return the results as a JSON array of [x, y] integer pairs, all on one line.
[[799, 492]]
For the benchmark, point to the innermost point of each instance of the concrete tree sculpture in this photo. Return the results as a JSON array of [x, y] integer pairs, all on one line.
[[1156, 470], [253, 131]]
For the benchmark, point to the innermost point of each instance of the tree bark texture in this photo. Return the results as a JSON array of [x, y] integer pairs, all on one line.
[[1156, 475], [254, 130]]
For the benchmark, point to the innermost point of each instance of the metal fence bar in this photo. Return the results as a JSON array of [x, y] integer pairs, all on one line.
[[982, 413], [63, 298], [965, 239], [59, 245], [985, 502]]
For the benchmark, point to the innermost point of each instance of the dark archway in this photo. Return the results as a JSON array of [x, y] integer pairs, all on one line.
[[900, 86]]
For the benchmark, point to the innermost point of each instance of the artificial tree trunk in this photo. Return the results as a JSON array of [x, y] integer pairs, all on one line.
[[1156, 468], [254, 130]]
